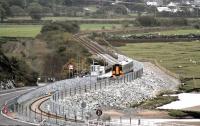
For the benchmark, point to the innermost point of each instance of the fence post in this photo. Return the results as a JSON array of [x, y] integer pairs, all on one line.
[[56, 117], [41, 115], [55, 96], [22, 110], [14, 108], [132, 76], [95, 86], [58, 109], [35, 113], [80, 89], [85, 89], [29, 115], [75, 90], [26, 113], [68, 112], [63, 110], [48, 115], [18, 108], [65, 117], [58, 95]]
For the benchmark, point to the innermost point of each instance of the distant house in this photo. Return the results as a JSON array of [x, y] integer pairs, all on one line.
[[172, 4], [187, 3], [151, 3], [164, 9], [168, 9], [197, 2]]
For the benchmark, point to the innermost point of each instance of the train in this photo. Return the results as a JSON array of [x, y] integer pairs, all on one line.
[[117, 70], [122, 68]]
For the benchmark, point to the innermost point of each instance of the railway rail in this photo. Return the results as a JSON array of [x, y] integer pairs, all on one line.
[[36, 108], [96, 49]]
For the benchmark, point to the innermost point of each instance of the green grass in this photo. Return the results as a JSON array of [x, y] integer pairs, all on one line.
[[19, 30], [99, 26], [61, 18], [46, 18], [179, 32], [178, 57], [33, 30], [156, 102]]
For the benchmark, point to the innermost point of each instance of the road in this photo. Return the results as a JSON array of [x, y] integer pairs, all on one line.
[[5, 96]]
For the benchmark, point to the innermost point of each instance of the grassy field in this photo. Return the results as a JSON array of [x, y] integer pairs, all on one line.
[[182, 58], [61, 18], [179, 32], [33, 30], [19, 30], [46, 18], [99, 26]]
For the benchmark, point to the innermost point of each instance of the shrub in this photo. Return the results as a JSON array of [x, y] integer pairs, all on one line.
[[61, 26], [35, 11], [197, 26], [147, 21], [177, 113], [17, 70], [179, 22]]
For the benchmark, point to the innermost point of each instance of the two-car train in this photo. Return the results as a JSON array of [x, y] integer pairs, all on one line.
[[122, 68]]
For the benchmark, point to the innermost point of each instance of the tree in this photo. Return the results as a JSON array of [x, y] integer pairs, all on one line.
[[120, 9], [13, 69], [61, 26], [17, 11], [137, 7], [147, 21], [35, 11], [4, 9], [20, 3], [2, 13], [46, 3]]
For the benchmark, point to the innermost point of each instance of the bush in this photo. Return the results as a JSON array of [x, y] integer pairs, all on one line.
[[35, 11], [17, 70], [177, 113], [147, 21], [17, 11], [61, 26], [179, 22], [197, 26]]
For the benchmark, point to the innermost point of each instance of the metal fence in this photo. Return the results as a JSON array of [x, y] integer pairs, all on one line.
[[64, 110], [61, 89]]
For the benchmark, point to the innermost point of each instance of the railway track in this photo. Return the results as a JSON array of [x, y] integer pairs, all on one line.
[[96, 49], [36, 108]]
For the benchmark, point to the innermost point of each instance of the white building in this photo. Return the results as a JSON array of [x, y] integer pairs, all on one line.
[[151, 3], [197, 2], [96, 70], [164, 9], [172, 4]]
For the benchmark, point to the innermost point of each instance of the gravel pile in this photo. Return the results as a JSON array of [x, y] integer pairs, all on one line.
[[124, 94]]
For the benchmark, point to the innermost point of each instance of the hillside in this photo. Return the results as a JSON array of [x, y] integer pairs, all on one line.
[[50, 53]]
